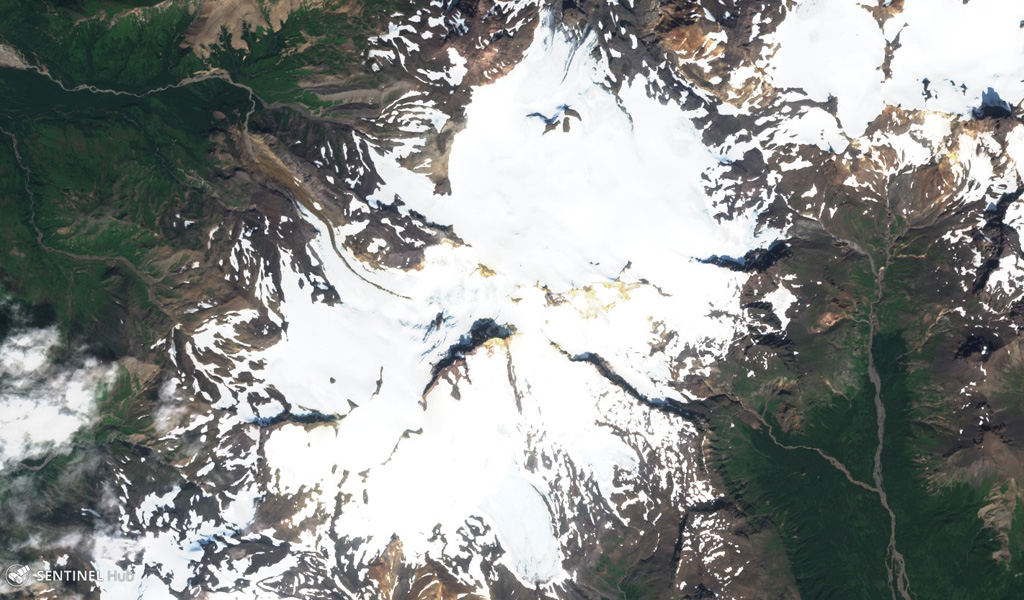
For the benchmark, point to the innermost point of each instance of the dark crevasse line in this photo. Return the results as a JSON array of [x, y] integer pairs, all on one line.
[[669, 405]]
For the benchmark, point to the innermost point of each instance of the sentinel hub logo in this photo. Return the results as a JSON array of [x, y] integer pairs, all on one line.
[[20, 575], [16, 575]]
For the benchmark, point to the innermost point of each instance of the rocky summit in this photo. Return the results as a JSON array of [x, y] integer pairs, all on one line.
[[511, 299]]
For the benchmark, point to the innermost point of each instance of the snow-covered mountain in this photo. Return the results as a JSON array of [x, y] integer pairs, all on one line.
[[591, 307]]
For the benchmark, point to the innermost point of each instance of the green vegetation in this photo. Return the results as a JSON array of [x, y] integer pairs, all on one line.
[[121, 414], [622, 578], [816, 394], [835, 533], [106, 45], [93, 201], [81, 43], [101, 182], [333, 41], [1010, 390], [947, 550]]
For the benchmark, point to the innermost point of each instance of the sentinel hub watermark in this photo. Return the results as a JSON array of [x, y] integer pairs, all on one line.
[[21, 575]]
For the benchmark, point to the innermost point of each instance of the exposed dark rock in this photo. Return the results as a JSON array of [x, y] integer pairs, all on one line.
[[755, 261], [480, 332], [992, 106]]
